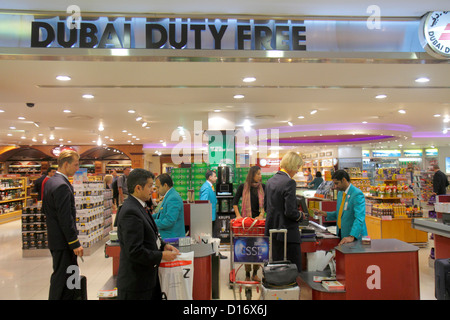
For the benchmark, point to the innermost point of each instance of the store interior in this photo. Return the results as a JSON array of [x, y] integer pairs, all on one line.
[[382, 116]]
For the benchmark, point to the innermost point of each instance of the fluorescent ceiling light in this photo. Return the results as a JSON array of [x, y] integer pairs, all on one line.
[[63, 78], [381, 96], [239, 96], [131, 111], [422, 80], [436, 115], [138, 118], [313, 112], [21, 118], [301, 117], [249, 79], [401, 111], [290, 123], [67, 111], [88, 96]]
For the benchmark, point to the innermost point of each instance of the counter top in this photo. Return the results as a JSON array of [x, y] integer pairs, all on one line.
[[377, 246], [431, 225], [200, 249]]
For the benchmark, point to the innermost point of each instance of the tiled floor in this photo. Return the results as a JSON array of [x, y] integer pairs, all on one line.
[[28, 278]]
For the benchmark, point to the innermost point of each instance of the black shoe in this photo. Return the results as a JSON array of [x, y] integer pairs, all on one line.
[[221, 256]]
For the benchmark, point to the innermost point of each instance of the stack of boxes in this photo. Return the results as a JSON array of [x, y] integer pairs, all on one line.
[[89, 206], [34, 229]]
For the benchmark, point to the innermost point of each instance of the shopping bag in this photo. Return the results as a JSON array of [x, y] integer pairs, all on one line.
[[176, 277], [248, 223]]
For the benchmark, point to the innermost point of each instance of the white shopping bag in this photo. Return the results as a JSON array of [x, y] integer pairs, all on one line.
[[176, 277]]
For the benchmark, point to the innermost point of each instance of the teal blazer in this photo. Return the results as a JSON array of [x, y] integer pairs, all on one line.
[[170, 216], [207, 193], [353, 219]]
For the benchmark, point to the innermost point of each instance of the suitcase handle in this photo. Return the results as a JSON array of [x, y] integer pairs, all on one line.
[[271, 232]]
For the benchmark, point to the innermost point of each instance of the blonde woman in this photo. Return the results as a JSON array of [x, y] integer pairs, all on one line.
[[282, 211]]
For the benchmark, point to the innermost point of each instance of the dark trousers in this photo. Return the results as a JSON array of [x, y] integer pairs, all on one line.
[[153, 294], [293, 254], [62, 259]]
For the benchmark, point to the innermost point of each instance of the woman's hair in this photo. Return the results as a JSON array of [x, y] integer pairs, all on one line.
[[108, 179], [318, 174], [251, 174], [291, 161]]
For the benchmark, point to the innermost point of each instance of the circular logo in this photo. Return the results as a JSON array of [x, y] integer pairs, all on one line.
[[435, 34]]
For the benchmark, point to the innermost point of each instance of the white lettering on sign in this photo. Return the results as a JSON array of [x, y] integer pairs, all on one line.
[[374, 280]]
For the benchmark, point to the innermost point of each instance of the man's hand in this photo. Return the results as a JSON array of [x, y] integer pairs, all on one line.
[[319, 212], [170, 253], [78, 251], [347, 240]]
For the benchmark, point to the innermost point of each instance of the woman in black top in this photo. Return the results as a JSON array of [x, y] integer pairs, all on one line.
[[252, 194]]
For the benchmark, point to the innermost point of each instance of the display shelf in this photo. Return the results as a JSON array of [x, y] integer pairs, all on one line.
[[13, 197]]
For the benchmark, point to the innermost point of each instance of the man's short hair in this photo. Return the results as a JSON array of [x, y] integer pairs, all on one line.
[[165, 179], [50, 170], [340, 174], [209, 173], [67, 156], [138, 177], [435, 167]]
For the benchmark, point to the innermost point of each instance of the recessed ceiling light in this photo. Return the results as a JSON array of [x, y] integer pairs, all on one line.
[[217, 110], [364, 122], [422, 80], [138, 118], [239, 96], [436, 115], [131, 111], [12, 128], [444, 131], [301, 117], [63, 78], [124, 131], [313, 112], [100, 127], [67, 111], [1, 111], [9, 134], [401, 111], [144, 124], [88, 96], [249, 79], [290, 123], [381, 96], [446, 120], [21, 118]]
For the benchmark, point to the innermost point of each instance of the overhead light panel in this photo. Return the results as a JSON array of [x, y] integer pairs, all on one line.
[[239, 96], [88, 96], [381, 96]]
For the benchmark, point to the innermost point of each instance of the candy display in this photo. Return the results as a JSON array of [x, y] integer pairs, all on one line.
[[396, 210]]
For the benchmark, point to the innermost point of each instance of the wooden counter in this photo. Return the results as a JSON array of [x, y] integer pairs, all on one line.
[[397, 228]]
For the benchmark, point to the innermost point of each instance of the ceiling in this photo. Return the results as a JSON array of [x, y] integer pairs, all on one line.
[[172, 92]]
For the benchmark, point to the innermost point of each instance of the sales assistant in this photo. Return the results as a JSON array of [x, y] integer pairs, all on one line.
[[350, 214]]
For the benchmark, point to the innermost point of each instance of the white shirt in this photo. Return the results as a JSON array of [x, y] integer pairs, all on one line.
[[62, 174], [140, 201]]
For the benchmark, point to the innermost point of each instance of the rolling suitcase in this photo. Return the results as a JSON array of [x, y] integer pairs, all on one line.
[[279, 277], [442, 279]]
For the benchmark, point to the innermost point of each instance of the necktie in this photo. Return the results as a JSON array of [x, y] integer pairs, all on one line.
[[341, 208], [212, 187]]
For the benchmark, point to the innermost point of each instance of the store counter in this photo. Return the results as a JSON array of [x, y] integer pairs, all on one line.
[[202, 285], [441, 233], [385, 269]]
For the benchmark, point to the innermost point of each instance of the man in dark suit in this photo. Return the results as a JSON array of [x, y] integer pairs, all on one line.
[[280, 204], [141, 247], [440, 181], [59, 207]]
